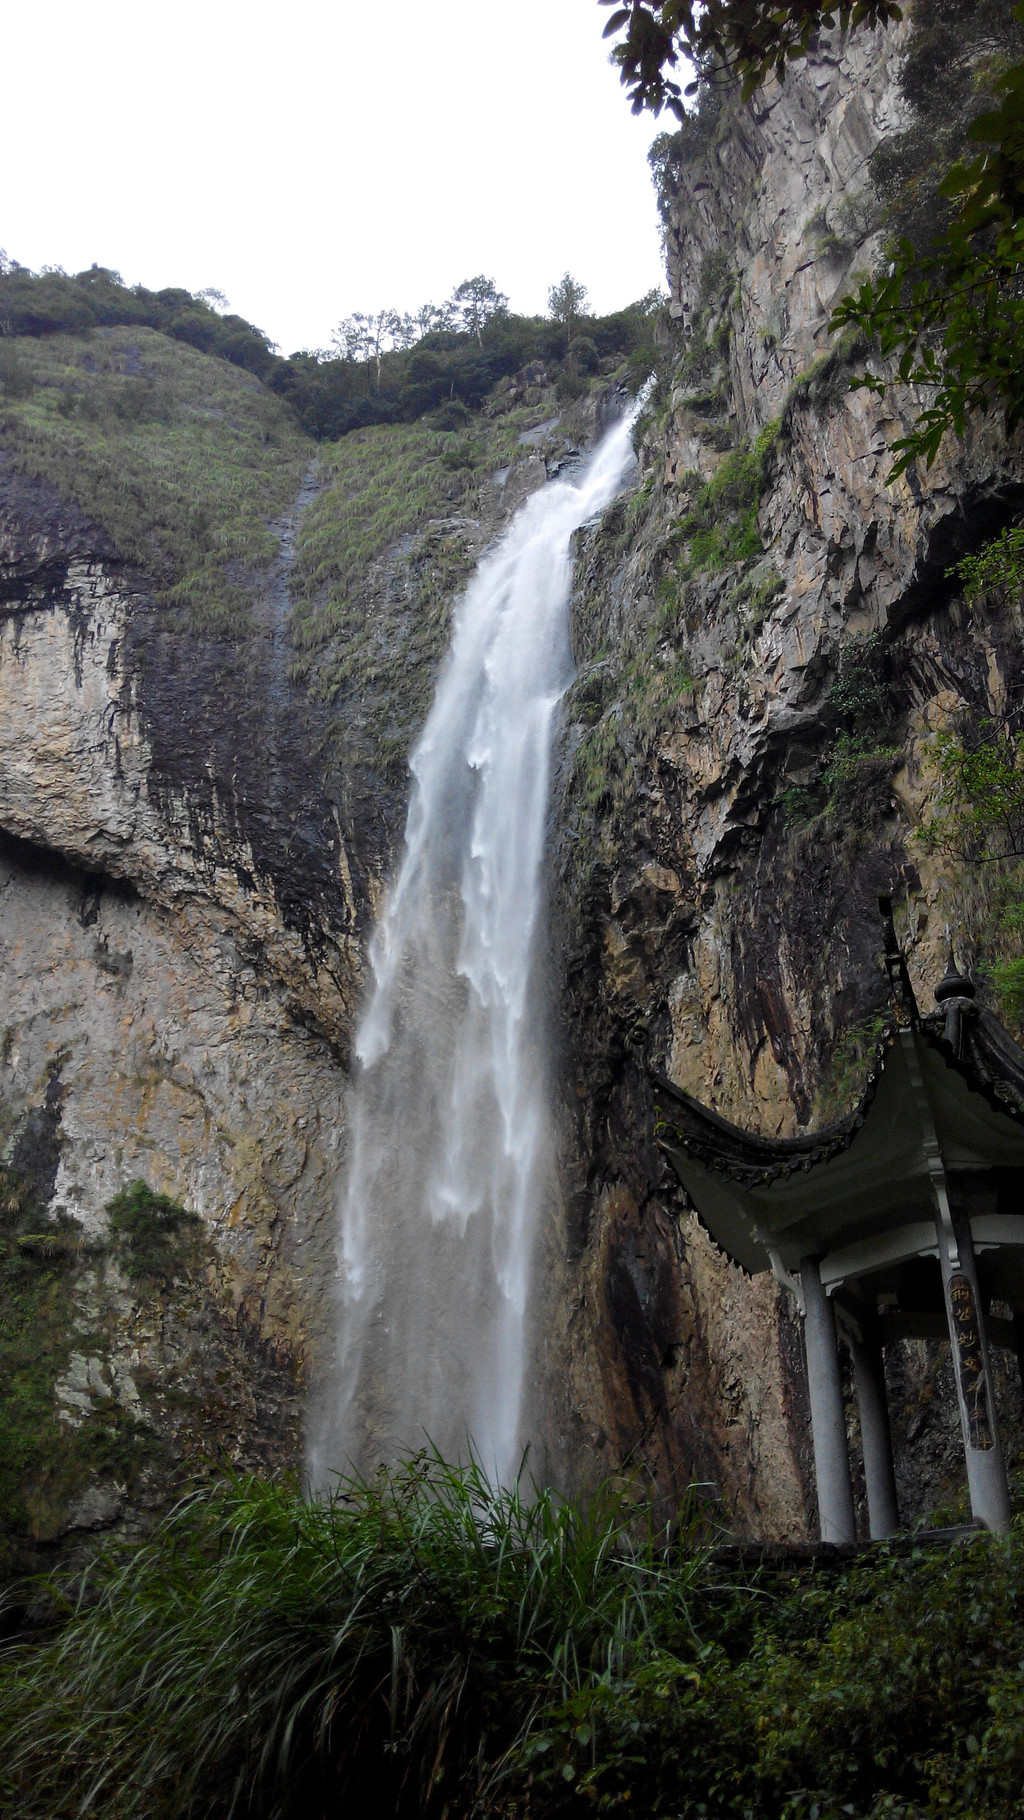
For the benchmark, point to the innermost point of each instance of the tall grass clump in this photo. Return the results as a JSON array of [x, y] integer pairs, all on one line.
[[387, 1650]]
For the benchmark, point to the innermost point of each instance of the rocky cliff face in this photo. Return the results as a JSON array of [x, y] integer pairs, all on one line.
[[767, 638], [179, 964], [193, 841]]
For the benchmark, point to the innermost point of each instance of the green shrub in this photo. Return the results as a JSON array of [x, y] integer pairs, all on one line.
[[1008, 980], [721, 526], [995, 573], [154, 1236], [62, 1243], [975, 821], [16, 379], [894, 1692], [853, 775], [715, 276], [585, 357], [848, 1066], [45, 1462], [978, 806]]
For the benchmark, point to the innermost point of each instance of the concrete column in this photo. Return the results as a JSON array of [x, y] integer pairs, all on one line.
[[828, 1423], [986, 1473], [879, 1477]]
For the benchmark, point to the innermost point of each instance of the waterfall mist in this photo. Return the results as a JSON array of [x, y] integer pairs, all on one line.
[[450, 1149]]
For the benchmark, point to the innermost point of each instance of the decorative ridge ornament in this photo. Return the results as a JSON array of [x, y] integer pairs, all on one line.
[[953, 984]]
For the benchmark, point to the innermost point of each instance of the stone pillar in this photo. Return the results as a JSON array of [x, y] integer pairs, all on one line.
[[879, 1477], [828, 1423], [1018, 1340], [986, 1473]]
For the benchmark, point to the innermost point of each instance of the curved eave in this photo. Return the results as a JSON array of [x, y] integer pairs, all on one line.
[[771, 1202], [720, 1213], [726, 1149], [991, 1064]]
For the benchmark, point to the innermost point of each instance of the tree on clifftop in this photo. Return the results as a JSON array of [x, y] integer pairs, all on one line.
[[475, 302], [366, 337], [567, 302]]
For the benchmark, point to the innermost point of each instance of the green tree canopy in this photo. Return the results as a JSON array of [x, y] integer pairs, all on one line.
[[476, 302], [567, 302]]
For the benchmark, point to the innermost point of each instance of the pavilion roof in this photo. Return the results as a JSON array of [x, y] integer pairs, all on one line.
[[990, 1063], [852, 1183]]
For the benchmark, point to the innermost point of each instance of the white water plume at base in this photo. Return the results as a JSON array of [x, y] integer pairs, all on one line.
[[450, 1148]]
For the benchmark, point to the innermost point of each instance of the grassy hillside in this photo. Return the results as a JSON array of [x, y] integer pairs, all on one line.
[[187, 460], [183, 459]]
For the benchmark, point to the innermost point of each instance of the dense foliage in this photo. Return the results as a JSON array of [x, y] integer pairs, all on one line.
[[153, 1235], [52, 303], [449, 373], [424, 1645], [446, 362]]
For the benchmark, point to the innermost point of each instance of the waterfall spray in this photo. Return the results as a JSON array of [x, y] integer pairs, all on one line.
[[450, 1151]]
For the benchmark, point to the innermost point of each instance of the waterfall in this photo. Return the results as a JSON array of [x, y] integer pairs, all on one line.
[[450, 1153]]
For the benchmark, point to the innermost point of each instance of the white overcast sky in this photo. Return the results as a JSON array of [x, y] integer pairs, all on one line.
[[311, 159]]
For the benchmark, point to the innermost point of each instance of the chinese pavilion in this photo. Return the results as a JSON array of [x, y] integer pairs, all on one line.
[[904, 1219]]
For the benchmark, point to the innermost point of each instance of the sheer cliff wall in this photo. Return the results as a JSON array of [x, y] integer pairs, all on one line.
[[194, 837], [767, 638]]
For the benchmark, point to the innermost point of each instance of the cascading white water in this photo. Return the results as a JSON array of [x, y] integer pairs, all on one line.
[[450, 1149]]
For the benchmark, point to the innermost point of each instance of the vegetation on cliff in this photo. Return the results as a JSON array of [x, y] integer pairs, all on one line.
[[183, 460], [55, 1311], [41, 1465], [946, 309], [426, 1646], [384, 368], [106, 1394], [975, 815]]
